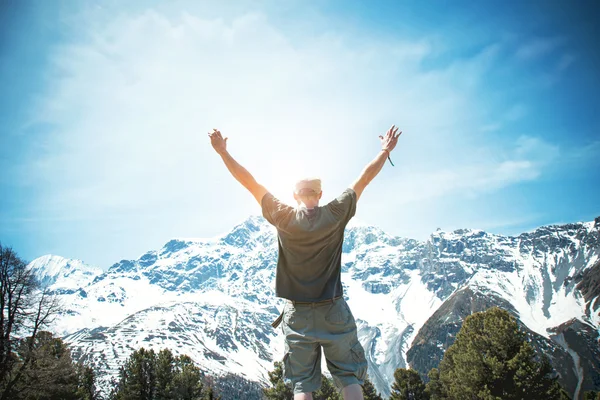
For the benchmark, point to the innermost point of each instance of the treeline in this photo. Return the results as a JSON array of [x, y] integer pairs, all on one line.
[[34, 364], [491, 359], [42, 369], [147, 375]]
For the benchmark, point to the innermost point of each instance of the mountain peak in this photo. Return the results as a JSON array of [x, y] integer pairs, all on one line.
[[219, 291], [52, 268], [457, 234], [251, 228]]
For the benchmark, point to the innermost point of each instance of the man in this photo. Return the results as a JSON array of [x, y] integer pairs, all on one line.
[[310, 237]]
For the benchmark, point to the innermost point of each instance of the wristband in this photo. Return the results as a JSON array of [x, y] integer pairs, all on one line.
[[390, 160]]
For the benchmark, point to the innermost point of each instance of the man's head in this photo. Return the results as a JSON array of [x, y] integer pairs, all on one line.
[[308, 192]]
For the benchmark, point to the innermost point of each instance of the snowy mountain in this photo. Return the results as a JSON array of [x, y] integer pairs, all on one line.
[[213, 299]]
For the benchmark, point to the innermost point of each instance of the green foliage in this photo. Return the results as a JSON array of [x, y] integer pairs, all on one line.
[[165, 373], [565, 396], [492, 360], [279, 390], [50, 374], [26, 309], [591, 395], [86, 383], [210, 395], [408, 385], [435, 389], [327, 391], [187, 380], [369, 392], [150, 376], [137, 376]]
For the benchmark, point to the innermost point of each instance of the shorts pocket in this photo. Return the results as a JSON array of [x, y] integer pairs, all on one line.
[[339, 314], [358, 353]]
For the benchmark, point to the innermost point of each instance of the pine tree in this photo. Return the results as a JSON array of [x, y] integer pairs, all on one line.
[[164, 371], [210, 395], [408, 385], [51, 374], [565, 396], [187, 380], [435, 388], [369, 392], [327, 391], [591, 395], [86, 386], [279, 390], [491, 359], [147, 376], [137, 377]]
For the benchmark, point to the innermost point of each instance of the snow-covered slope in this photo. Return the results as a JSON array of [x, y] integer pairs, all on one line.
[[214, 300], [63, 274]]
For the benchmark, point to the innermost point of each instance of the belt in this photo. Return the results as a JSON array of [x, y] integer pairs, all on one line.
[[276, 323], [294, 302]]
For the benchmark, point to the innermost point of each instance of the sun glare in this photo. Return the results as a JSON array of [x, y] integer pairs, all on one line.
[[280, 181]]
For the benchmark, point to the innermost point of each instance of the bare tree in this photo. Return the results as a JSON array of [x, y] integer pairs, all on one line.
[[26, 309]]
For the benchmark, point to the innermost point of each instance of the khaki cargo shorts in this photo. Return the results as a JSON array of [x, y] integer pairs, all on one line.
[[330, 325]]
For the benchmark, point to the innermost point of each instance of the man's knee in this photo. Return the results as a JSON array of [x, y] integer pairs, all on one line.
[[303, 396], [353, 392]]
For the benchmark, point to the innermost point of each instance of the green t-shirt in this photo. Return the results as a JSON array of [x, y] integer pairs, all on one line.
[[310, 246]]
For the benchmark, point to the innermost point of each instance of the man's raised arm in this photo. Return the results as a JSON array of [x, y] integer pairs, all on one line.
[[239, 173], [388, 143]]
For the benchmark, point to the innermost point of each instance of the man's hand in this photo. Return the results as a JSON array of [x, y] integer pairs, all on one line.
[[389, 141], [237, 171], [217, 141]]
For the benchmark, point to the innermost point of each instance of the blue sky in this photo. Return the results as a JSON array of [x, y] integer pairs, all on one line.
[[105, 110]]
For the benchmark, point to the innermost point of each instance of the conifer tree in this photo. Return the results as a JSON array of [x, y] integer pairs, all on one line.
[[408, 385], [491, 359], [165, 374], [51, 373], [591, 395], [86, 386], [435, 388], [327, 391], [148, 376], [210, 395], [369, 392], [279, 390], [137, 377], [187, 380]]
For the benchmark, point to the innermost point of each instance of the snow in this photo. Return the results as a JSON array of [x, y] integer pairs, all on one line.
[[417, 302], [375, 308], [70, 273], [235, 297]]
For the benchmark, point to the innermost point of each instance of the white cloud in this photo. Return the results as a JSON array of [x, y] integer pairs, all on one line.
[[522, 162], [539, 47], [130, 107]]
